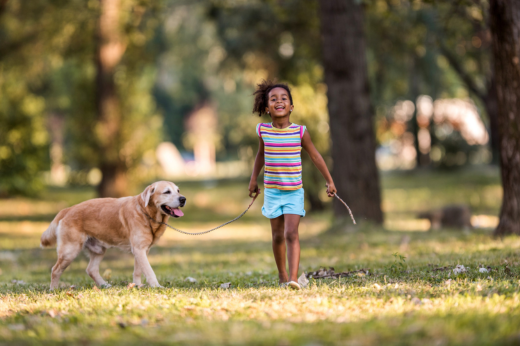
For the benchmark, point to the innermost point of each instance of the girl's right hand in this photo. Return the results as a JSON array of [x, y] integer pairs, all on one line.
[[253, 189]]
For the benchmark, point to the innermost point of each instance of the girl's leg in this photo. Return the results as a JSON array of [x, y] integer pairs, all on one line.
[[277, 227], [292, 221]]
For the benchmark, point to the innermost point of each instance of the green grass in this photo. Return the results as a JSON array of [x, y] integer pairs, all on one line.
[[399, 303]]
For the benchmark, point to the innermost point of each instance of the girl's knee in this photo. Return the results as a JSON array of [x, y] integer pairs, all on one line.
[[278, 237], [291, 235]]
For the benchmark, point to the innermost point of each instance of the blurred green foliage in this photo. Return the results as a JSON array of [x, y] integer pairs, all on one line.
[[182, 55]]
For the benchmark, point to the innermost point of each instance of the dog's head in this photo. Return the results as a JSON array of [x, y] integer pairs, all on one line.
[[165, 196]]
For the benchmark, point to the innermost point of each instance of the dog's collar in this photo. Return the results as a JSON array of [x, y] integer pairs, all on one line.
[[149, 223]]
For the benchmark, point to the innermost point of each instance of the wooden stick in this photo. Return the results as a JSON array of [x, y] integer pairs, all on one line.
[[350, 211]]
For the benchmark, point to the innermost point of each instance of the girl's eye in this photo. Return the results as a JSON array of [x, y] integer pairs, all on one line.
[[167, 192]]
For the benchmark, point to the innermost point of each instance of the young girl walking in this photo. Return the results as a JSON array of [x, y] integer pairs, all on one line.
[[280, 145]]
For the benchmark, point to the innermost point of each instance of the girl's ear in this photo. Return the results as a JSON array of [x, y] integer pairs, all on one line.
[[267, 110], [147, 193]]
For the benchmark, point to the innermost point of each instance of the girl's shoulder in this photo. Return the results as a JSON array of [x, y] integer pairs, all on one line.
[[259, 128]]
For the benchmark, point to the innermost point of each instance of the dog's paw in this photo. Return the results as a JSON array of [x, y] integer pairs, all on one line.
[[107, 285]]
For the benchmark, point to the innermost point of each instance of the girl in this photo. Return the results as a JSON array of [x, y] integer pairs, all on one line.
[[280, 145]]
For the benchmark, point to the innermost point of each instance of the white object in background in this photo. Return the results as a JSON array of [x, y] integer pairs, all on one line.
[[302, 280], [459, 269], [170, 159]]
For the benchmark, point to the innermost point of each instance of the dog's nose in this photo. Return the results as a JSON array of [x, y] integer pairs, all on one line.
[[182, 200]]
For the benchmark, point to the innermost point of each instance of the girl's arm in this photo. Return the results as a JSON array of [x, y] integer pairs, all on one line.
[[318, 161], [259, 163]]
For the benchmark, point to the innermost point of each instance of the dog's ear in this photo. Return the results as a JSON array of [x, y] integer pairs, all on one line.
[[147, 193]]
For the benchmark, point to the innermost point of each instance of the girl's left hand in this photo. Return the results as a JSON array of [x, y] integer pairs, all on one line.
[[331, 189]]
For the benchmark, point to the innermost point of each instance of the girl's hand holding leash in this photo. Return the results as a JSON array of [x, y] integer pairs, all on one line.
[[253, 189], [331, 189]]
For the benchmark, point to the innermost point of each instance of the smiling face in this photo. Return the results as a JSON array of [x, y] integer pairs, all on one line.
[[166, 197], [279, 103]]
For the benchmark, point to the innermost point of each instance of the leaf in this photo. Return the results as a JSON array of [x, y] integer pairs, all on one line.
[[96, 289], [190, 279], [226, 285], [479, 288], [377, 286], [131, 285], [52, 312], [302, 280]]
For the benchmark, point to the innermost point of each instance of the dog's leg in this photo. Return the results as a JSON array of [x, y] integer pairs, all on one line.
[[66, 254], [137, 272], [93, 268], [145, 267]]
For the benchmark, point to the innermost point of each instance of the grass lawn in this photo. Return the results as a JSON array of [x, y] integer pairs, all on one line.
[[418, 300]]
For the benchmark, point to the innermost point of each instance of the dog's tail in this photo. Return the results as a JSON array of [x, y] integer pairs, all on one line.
[[50, 236]]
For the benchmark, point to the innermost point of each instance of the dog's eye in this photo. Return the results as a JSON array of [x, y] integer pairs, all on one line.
[[178, 191], [167, 192]]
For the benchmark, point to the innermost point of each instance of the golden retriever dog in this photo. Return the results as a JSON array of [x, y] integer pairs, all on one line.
[[98, 224]]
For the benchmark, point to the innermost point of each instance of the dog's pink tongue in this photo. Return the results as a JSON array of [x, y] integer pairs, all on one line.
[[178, 212]]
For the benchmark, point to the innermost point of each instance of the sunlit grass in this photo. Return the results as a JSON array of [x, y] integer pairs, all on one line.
[[406, 302], [410, 304]]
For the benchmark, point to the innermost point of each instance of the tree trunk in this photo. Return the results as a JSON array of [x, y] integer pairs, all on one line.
[[353, 138], [505, 29], [109, 50], [491, 105]]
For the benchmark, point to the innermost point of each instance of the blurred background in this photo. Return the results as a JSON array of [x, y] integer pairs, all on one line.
[[101, 98]]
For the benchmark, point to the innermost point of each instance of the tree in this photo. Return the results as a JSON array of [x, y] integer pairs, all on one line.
[[110, 48], [505, 29], [26, 36], [127, 124], [465, 41], [353, 139]]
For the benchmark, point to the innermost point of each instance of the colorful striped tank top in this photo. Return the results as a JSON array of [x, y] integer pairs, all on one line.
[[282, 148]]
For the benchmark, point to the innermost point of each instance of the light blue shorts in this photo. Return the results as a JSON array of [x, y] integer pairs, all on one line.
[[278, 202]]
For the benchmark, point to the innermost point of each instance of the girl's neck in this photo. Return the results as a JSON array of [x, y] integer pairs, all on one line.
[[281, 123]]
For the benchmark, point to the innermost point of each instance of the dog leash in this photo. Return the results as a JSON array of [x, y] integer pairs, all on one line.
[[227, 223], [350, 211], [211, 230]]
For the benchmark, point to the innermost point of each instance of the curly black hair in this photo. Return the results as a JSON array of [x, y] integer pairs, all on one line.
[[262, 93]]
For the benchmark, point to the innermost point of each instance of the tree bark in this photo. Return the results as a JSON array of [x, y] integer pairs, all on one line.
[[109, 50], [491, 105], [353, 139], [505, 30]]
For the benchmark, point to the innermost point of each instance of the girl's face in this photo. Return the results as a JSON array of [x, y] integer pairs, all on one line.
[[279, 103]]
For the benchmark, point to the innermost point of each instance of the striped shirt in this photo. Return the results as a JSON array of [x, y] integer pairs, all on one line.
[[282, 149]]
